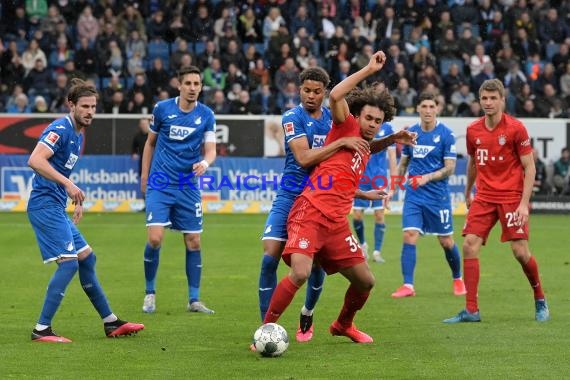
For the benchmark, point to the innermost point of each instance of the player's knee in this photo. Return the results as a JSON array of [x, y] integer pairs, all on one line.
[[192, 241], [155, 240], [88, 262], [273, 248], [470, 248], [446, 242], [411, 236], [84, 254], [299, 275], [520, 251]]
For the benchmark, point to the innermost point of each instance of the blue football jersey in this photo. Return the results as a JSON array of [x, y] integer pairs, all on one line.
[[427, 156], [59, 137], [179, 138], [297, 123], [378, 163]]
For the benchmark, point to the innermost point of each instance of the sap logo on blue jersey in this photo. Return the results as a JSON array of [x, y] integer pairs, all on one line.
[[71, 161], [319, 141], [421, 151], [180, 133]]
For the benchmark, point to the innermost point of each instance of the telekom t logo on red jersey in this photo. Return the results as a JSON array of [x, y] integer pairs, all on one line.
[[482, 156], [356, 162]]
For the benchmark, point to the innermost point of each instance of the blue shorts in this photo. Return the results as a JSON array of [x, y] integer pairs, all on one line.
[[433, 219], [56, 234], [178, 209], [276, 224]]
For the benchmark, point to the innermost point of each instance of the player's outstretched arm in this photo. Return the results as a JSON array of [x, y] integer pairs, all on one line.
[[338, 104], [402, 137], [39, 162], [307, 157]]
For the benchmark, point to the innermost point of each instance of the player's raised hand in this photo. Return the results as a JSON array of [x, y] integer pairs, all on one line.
[[377, 61], [357, 144], [77, 196], [405, 137]]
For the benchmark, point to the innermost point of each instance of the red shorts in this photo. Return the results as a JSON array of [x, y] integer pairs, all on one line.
[[482, 216], [328, 242]]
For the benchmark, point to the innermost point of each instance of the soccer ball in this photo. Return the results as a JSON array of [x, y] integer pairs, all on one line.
[[271, 340]]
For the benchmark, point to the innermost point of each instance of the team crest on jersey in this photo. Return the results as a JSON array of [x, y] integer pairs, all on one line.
[[51, 138], [502, 140], [198, 120], [178, 132], [421, 151], [303, 243], [436, 138], [289, 129]]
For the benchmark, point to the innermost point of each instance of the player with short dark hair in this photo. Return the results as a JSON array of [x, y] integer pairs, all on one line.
[[172, 161], [318, 227], [427, 203], [501, 166], [58, 238], [306, 127]]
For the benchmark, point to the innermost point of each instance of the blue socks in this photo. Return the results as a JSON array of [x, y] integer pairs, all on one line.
[[91, 285], [267, 282], [359, 230], [408, 260], [151, 258], [314, 287], [56, 290], [379, 229], [454, 261], [193, 274]]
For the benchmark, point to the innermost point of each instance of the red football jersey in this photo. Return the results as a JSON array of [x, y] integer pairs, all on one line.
[[497, 153], [334, 181]]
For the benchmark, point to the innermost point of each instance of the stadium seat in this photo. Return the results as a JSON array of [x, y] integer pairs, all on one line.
[[445, 63], [199, 47], [158, 48], [551, 49]]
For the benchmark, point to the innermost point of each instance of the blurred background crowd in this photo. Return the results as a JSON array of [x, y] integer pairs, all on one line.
[[251, 52]]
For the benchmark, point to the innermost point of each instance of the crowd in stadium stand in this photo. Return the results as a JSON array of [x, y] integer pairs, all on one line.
[[251, 52]]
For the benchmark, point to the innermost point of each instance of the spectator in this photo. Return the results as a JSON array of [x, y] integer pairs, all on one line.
[[422, 59], [289, 97], [118, 103], [234, 55], [139, 103], [552, 29], [288, 72], [467, 43], [87, 25], [156, 27], [40, 105], [474, 110], [13, 71], [547, 76], [462, 98], [224, 22], [452, 80], [561, 58], [443, 25], [302, 20], [59, 95], [214, 76], [524, 46], [114, 62], [488, 72], [31, 55], [205, 58], [565, 84], [157, 76], [362, 58], [505, 59], [235, 75], [139, 140], [541, 186], [444, 109], [251, 55], [182, 48], [20, 105], [140, 84], [271, 24], [39, 80], [448, 46], [249, 27], [48, 23], [202, 25], [524, 94], [259, 75], [86, 58], [218, 103], [128, 20], [244, 106], [527, 109], [60, 55], [266, 100], [368, 26], [404, 98], [549, 104], [562, 173], [478, 60], [428, 76], [135, 44]]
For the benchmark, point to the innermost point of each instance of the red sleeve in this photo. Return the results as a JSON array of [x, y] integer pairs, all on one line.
[[522, 141], [470, 147]]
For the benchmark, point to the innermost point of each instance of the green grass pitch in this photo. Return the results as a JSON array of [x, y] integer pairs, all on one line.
[[411, 342]]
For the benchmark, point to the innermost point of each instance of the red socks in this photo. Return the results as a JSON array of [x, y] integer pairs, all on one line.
[[353, 301], [471, 279], [282, 297], [531, 271]]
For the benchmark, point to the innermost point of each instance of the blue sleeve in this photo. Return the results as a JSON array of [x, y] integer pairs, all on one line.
[[293, 127], [156, 118], [211, 127], [449, 149], [54, 136]]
